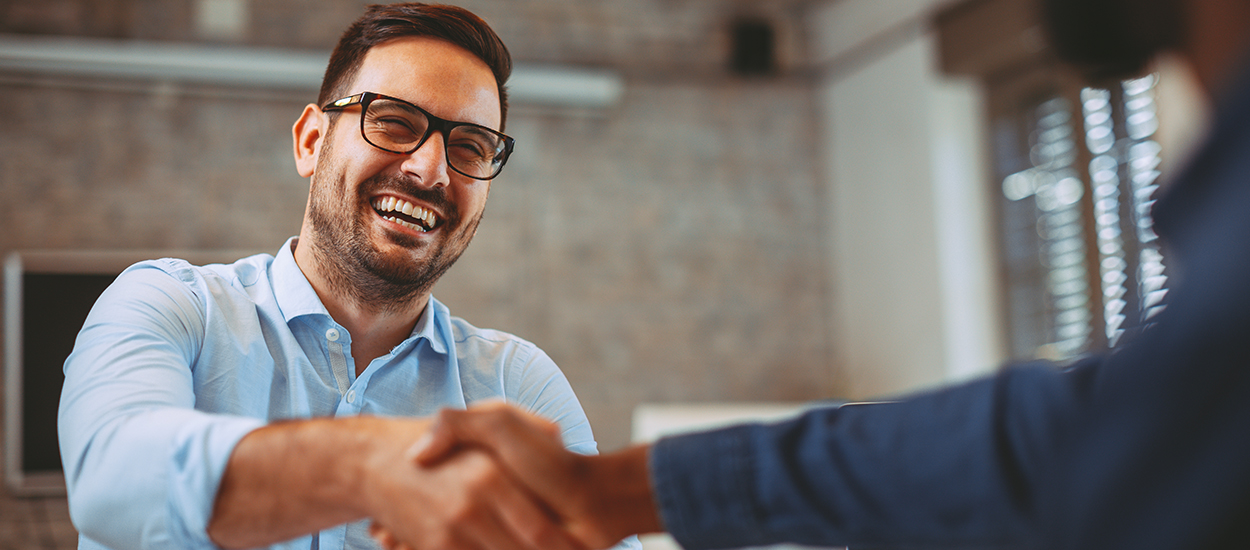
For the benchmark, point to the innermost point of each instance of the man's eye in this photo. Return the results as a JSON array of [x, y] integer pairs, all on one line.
[[469, 148], [396, 124], [395, 127]]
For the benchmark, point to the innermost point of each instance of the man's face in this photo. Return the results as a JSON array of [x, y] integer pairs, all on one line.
[[1112, 39], [365, 243]]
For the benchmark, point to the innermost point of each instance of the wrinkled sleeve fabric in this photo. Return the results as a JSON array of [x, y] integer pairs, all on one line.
[[142, 466], [946, 468], [544, 390]]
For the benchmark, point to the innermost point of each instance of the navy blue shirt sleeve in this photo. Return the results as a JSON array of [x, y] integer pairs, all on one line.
[[945, 467]]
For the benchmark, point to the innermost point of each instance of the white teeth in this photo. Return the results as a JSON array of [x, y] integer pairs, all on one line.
[[404, 223], [392, 204]]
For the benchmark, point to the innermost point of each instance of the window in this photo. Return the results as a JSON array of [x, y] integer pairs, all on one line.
[[1081, 262], [1075, 171]]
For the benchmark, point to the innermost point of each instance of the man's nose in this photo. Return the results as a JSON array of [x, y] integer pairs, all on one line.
[[429, 162]]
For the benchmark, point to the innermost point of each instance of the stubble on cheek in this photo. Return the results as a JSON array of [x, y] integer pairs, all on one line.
[[354, 264]]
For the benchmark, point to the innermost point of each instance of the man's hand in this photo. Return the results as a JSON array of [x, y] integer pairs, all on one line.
[[293, 478], [599, 499], [466, 502]]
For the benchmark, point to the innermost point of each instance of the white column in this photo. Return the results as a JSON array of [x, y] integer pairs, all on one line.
[[914, 301]]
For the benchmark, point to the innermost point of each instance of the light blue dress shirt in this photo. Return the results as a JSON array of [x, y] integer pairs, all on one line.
[[177, 362]]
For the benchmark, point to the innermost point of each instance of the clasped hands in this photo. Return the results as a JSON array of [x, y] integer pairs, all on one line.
[[511, 485]]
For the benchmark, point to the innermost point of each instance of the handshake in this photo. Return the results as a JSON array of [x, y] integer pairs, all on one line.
[[506, 482]]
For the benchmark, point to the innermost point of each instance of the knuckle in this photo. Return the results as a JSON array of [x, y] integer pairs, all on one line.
[[438, 541], [494, 420], [467, 518], [543, 535], [597, 539], [485, 481], [461, 514], [447, 417]]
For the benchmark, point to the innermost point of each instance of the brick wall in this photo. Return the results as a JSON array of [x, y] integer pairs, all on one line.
[[669, 248]]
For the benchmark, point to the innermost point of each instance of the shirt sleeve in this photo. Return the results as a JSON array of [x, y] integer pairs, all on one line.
[[541, 388], [945, 468], [142, 466], [544, 390]]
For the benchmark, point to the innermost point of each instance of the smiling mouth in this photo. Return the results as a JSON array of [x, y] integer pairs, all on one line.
[[405, 213]]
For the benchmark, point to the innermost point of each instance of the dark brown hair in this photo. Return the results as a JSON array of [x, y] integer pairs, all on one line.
[[1110, 40], [382, 23]]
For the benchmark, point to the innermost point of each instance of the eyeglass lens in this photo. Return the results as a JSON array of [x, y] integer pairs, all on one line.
[[398, 127]]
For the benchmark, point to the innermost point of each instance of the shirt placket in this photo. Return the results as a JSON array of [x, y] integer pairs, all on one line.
[[338, 359], [351, 387]]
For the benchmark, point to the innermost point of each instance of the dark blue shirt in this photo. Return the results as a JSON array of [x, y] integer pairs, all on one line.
[[1146, 447]]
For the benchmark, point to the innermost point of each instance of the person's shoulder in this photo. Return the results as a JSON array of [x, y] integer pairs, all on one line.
[[203, 277], [244, 272], [463, 332], [486, 345]]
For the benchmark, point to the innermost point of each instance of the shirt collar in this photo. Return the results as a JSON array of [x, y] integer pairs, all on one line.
[[296, 298], [434, 326], [295, 295]]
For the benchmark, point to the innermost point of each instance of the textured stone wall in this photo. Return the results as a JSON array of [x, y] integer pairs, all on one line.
[[669, 248]]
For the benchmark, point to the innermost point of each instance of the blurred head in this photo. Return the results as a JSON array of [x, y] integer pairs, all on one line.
[[1112, 39], [383, 23]]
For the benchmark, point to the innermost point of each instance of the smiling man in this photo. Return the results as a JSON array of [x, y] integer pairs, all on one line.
[[394, 204], [273, 401]]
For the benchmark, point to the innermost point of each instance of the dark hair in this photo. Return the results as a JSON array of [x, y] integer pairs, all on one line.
[[382, 23], [1109, 40]]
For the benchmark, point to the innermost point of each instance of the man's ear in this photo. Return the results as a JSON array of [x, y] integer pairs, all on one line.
[[308, 132]]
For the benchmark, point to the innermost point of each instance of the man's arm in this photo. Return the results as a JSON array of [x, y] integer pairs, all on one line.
[[947, 467], [293, 478], [146, 469], [141, 463]]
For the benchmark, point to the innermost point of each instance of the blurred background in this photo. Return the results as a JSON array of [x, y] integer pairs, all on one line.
[[711, 201]]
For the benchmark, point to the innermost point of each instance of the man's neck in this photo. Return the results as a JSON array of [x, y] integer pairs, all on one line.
[[373, 333], [375, 329]]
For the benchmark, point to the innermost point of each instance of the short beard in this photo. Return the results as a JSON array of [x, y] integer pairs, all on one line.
[[352, 267], [1111, 40]]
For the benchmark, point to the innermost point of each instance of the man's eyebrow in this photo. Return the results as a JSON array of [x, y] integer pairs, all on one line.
[[404, 104], [476, 129]]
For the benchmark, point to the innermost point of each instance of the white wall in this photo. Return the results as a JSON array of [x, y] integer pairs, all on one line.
[[913, 289]]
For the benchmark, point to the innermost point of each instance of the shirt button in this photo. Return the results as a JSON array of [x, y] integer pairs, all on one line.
[[351, 396], [332, 335]]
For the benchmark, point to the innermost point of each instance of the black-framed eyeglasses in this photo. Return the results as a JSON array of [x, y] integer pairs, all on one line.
[[397, 126]]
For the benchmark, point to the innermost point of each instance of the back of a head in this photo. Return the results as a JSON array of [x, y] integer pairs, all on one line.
[[382, 23], [1112, 39]]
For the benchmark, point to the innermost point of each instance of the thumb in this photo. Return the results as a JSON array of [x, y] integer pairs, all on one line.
[[453, 428], [437, 443], [527, 445]]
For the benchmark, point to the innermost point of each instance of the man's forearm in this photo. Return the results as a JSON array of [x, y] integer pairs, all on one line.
[[626, 504], [293, 478]]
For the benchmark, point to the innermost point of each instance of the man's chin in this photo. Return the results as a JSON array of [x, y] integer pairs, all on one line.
[[397, 265], [403, 264], [390, 235]]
